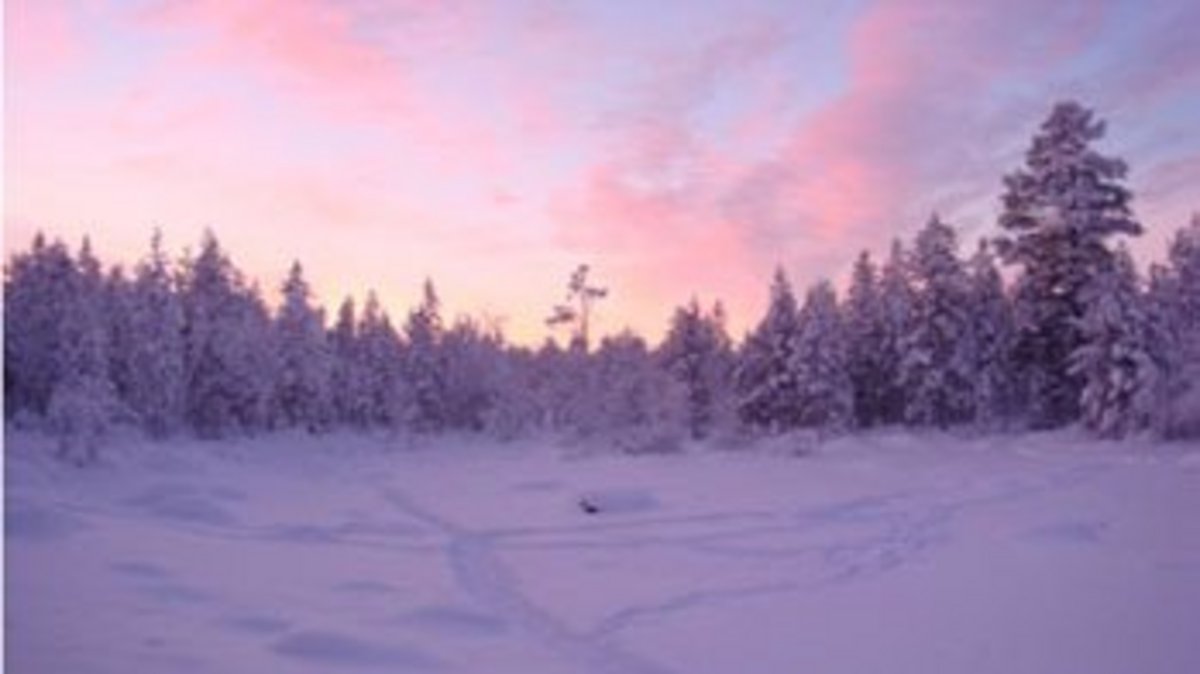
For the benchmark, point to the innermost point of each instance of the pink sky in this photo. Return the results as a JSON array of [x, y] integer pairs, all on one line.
[[680, 148]]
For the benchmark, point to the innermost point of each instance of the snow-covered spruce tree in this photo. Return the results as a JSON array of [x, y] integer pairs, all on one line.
[[1116, 363], [938, 363], [349, 395], [825, 394], [38, 292], [83, 404], [1175, 300], [155, 349], [117, 300], [380, 361], [471, 358], [865, 343], [1060, 210], [724, 363], [561, 381], [767, 394], [569, 376], [696, 353], [425, 367], [228, 346], [302, 378], [896, 308], [516, 408], [633, 401], [993, 334]]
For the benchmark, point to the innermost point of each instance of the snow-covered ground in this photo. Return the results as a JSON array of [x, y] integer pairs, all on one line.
[[891, 553]]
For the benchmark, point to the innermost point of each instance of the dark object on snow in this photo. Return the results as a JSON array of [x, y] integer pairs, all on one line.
[[588, 507]]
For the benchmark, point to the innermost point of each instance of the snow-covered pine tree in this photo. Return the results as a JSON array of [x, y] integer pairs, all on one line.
[[767, 394], [724, 363], [865, 342], [896, 307], [155, 350], [425, 367], [632, 401], [695, 353], [349, 396], [83, 404], [117, 298], [228, 347], [471, 359], [993, 334], [1175, 299], [553, 388], [255, 354], [38, 292], [1060, 210], [302, 378], [938, 363], [380, 360], [825, 394], [517, 406], [1115, 361]]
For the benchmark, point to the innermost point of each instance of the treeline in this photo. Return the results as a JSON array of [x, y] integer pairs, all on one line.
[[926, 338]]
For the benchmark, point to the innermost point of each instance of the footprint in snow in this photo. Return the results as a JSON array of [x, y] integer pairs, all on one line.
[[453, 621], [256, 624], [184, 503], [34, 523], [366, 587], [175, 593], [331, 649], [537, 486], [617, 501], [1077, 532], [136, 569]]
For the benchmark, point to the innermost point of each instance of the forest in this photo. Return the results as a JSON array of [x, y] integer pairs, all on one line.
[[1048, 323]]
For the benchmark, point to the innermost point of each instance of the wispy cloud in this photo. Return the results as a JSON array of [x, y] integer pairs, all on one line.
[[680, 148]]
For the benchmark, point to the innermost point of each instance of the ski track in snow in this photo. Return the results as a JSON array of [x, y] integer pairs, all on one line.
[[898, 530], [800, 549], [481, 573]]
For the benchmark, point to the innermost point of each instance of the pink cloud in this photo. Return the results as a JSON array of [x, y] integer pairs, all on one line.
[[1168, 196], [40, 37], [308, 47], [651, 204], [866, 165], [678, 150], [921, 75]]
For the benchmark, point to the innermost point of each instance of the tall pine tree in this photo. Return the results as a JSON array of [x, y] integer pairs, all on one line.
[[229, 358], [425, 367], [768, 396], [896, 307], [156, 349], [938, 364], [302, 378], [865, 343], [1175, 300], [381, 363], [39, 289], [992, 333], [83, 404], [696, 354], [1059, 211], [825, 394], [1116, 362]]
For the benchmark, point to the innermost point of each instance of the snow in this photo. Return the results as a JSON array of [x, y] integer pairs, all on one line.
[[887, 552]]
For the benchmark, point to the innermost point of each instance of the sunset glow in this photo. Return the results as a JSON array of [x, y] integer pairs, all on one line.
[[681, 148]]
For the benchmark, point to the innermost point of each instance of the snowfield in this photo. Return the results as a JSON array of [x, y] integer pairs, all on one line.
[[888, 553]]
